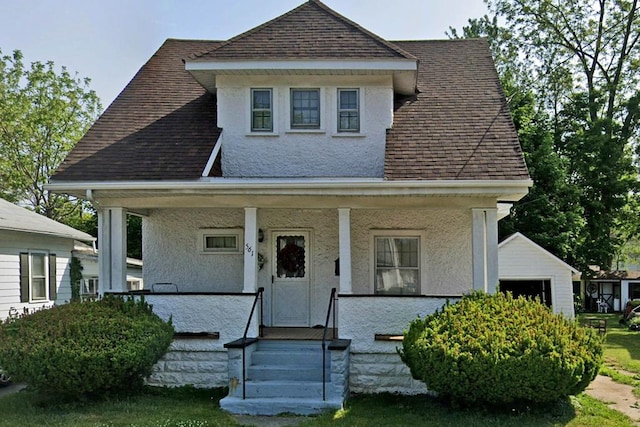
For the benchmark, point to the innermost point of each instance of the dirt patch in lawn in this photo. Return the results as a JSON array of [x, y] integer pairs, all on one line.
[[617, 396]]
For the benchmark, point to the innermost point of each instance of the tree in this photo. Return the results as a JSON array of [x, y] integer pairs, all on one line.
[[584, 59], [550, 213], [43, 113]]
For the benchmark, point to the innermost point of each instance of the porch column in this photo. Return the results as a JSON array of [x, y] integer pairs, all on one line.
[[485, 249], [344, 229], [250, 250], [112, 250]]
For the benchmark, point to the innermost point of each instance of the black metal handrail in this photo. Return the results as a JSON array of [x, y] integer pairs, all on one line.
[[332, 304], [244, 337]]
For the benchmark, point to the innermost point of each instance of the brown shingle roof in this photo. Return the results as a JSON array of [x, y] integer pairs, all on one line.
[[458, 126], [161, 126], [310, 31]]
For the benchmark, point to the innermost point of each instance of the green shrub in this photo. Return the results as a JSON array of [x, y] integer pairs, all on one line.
[[85, 349], [496, 350]]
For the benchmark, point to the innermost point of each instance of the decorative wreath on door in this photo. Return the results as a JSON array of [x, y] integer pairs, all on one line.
[[591, 288], [291, 257]]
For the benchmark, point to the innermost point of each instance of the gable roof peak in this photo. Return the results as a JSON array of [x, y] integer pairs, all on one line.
[[309, 31]]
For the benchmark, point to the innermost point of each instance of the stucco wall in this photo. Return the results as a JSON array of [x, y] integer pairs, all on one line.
[[171, 252], [519, 259], [323, 152], [11, 245], [376, 365]]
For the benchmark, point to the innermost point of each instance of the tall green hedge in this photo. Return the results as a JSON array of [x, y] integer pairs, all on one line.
[[498, 350], [90, 348]]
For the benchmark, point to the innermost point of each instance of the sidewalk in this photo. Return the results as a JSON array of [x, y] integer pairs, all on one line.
[[13, 388]]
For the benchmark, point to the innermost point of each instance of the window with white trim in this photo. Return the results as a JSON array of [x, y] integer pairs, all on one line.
[[90, 286], [305, 108], [348, 110], [134, 285], [261, 110], [38, 276], [221, 241], [397, 264]]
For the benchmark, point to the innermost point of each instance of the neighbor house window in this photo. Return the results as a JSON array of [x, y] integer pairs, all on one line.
[[397, 264], [305, 108], [90, 286], [261, 110], [134, 285], [634, 290], [348, 110], [221, 241], [37, 277]]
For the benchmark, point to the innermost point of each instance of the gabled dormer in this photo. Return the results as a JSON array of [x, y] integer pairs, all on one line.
[[309, 93]]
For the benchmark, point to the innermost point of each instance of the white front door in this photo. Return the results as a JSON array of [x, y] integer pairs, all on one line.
[[290, 289]]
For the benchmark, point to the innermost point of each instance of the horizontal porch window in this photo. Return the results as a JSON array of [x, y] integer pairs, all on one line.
[[220, 241], [397, 266]]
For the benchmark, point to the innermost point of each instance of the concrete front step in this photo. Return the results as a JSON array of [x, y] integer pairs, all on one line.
[[285, 388], [286, 372], [278, 405], [291, 358]]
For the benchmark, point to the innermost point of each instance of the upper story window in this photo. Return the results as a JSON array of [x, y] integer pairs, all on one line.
[[261, 110], [348, 110], [305, 108]]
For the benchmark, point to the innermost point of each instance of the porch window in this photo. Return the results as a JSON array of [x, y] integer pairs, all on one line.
[[397, 264], [348, 110], [305, 108], [261, 110], [220, 241]]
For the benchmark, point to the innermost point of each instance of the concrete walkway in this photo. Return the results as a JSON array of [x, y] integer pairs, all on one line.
[[615, 395], [11, 389]]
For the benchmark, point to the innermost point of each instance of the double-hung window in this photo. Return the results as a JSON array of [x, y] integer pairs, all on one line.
[[37, 277], [348, 110], [305, 108], [261, 110], [397, 264]]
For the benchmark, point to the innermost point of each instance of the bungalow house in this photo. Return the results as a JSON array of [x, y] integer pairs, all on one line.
[[35, 257], [88, 257], [305, 179]]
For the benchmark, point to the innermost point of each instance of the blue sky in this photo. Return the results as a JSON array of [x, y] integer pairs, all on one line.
[[109, 40]]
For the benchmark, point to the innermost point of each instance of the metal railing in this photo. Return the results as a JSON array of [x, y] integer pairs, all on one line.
[[244, 337], [332, 305]]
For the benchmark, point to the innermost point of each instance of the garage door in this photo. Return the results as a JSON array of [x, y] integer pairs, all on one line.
[[528, 288]]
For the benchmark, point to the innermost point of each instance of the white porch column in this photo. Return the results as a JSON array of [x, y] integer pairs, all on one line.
[[485, 249], [112, 250], [250, 250], [344, 229]]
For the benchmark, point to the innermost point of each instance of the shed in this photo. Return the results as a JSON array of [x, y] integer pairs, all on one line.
[[526, 268]]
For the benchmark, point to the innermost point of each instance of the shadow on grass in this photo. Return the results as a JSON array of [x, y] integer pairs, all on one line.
[[391, 409]]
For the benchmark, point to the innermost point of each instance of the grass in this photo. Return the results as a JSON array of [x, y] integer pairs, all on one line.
[[188, 407]]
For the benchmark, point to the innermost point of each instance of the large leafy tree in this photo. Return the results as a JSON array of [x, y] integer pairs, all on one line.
[[43, 113], [581, 60]]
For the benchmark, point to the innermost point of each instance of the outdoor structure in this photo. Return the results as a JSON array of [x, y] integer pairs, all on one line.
[[526, 268], [609, 290], [303, 156], [88, 257], [35, 256]]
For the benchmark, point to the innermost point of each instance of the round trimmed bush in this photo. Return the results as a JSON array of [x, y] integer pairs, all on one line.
[[498, 350], [85, 349]]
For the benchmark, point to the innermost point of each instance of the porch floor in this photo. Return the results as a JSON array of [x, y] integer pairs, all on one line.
[[297, 333]]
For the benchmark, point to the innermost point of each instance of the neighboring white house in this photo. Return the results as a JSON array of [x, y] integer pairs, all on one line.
[[35, 254], [88, 257], [526, 268], [305, 155]]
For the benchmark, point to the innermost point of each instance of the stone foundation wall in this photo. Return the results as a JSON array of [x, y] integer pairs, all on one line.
[[191, 362], [382, 372]]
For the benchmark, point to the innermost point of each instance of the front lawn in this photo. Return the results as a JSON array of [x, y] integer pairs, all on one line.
[[199, 408], [621, 346]]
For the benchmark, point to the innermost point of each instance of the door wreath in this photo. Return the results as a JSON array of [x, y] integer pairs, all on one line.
[[291, 259]]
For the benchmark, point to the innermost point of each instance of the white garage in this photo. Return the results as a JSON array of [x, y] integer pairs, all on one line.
[[525, 268]]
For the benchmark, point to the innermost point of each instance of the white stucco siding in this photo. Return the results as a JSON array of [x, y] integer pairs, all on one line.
[[446, 250], [11, 245], [320, 152], [522, 259], [172, 254]]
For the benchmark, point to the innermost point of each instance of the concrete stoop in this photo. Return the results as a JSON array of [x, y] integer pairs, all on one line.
[[282, 377]]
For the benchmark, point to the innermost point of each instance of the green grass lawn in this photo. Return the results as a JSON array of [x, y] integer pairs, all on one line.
[[199, 408], [195, 408]]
